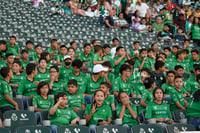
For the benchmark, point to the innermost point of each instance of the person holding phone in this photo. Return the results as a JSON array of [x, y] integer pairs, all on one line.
[[97, 113]]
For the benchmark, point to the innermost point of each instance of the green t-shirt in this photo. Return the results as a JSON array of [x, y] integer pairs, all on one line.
[[109, 100], [184, 65], [127, 119], [157, 27], [119, 86], [148, 97], [58, 86], [84, 58], [92, 86], [24, 64], [177, 96], [60, 58], [75, 101], [5, 89], [155, 110], [193, 110], [43, 103], [50, 50], [168, 18], [138, 88], [133, 53], [3, 64], [42, 76], [102, 113], [167, 88], [27, 88], [147, 63], [63, 117], [192, 62], [36, 58], [116, 67], [195, 30], [64, 72], [192, 86], [17, 78], [80, 80], [31, 54], [96, 57], [15, 48], [168, 63]]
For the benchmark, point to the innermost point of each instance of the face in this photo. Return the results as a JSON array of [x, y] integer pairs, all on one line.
[[95, 43], [170, 77], [74, 45], [38, 50], [166, 28], [25, 55], [167, 52], [116, 42], [150, 54], [143, 21], [76, 69], [137, 13], [64, 101], [104, 88], [2, 47], [99, 97], [111, 13], [43, 64], [195, 56], [124, 98], [121, 16], [87, 49], [12, 40], [44, 90], [101, 74], [106, 50], [197, 72], [54, 44], [174, 50], [158, 94], [72, 89], [155, 47], [71, 52], [144, 75], [162, 69], [29, 46], [178, 82], [143, 54], [121, 52], [53, 72], [10, 59], [63, 51], [180, 72], [127, 73], [16, 68], [181, 56], [10, 74], [180, 31], [137, 46]]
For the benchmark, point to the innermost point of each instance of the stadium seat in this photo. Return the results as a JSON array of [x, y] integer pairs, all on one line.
[[44, 115], [110, 129], [175, 128], [4, 130], [33, 129], [178, 114], [135, 101], [80, 113], [151, 128], [20, 103], [73, 129]]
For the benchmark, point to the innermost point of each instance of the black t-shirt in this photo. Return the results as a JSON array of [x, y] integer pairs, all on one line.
[[110, 20]]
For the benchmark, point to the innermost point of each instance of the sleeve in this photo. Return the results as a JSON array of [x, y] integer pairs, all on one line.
[[51, 103], [144, 96], [163, 88], [35, 101], [88, 109], [20, 90], [5, 88], [148, 113], [169, 112], [82, 99], [116, 85], [188, 85], [73, 115], [109, 112], [112, 100]]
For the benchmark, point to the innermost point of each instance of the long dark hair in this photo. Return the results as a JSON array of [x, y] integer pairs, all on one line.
[[196, 96]]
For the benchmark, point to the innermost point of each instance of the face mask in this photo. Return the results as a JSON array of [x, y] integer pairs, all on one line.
[[56, 6], [67, 63]]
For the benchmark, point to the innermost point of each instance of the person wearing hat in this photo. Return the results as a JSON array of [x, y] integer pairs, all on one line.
[[93, 81], [64, 70]]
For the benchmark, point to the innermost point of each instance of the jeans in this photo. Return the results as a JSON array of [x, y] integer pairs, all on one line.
[[101, 20], [54, 128], [25, 103], [6, 108], [128, 128], [88, 99], [195, 122], [92, 129], [38, 117]]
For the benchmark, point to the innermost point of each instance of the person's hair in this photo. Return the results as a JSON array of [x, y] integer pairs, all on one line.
[[198, 77], [124, 67], [135, 13], [106, 46], [115, 39], [9, 54], [178, 53], [186, 40], [97, 48], [30, 68], [72, 43], [18, 62], [159, 64], [167, 48], [13, 37], [176, 46], [196, 67], [143, 49], [105, 83], [143, 18], [180, 28], [135, 42], [29, 42], [120, 13], [86, 44], [130, 62], [195, 51], [3, 42], [158, 57], [178, 67], [171, 72], [38, 46], [196, 96], [157, 88], [63, 46], [55, 67], [118, 48], [107, 64], [150, 49], [153, 44], [177, 77], [61, 94], [4, 71], [72, 82], [42, 59], [40, 85], [186, 51], [167, 25], [53, 40], [93, 41], [24, 51], [148, 82], [162, 54], [44, 54], [146, 70], [71, 48], [122, 93], [77, 63]]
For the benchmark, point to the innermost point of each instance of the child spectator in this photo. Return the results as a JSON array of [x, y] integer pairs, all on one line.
[[158, 74], [7, 102], [109, 77], [38, 51], [42, 73], [54, 49], [109, 99], [9, 60], [86, 55], [24, 59], [152, 57], [122, 83], [106, 51], [135, 20], [130, 9], [71, 52], [135, 52], [97, 57], [143, 27], [73, 44], [60, 114], [158, 109], [115, 42], [175, 49], [168, 87], [97, 113], [29, 49], [14, 47], [76, 100], [180, 36], [126, 111], [165, 34], [63, 53], [66, 68], [195, 58], [80, 11], [121, 22]]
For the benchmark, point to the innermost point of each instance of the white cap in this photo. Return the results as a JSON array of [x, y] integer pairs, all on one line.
[[67, 57], [99, 68]]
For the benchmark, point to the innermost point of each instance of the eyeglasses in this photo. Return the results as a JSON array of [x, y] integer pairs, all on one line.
[[53, 71]]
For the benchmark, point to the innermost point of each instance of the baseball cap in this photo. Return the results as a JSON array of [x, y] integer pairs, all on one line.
[[67, 57], [99, 68]]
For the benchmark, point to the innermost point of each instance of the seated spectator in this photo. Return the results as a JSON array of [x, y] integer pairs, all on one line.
[[67, 10], [188, 23], [158, 25], [167, 17], [42, 74], [154, 14], [136, 20], [61, 55], [73, 6], [92, 4], [197, 4], [117, 4], [170, 5], [29, 48], [158, 6], [121, 22], [168, 87], [24, 59], [143, 27], [180, 36], [60, 114], [109, 22], [14, 47], [165, 34], [66, 68], [158, 74], [135, 51], [37, 55], [79, 10], [56, 10], [188, 12], [180, 22], [71, 52], [196, 13]]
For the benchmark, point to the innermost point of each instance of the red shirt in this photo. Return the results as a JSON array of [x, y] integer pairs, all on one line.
[[170, 7]]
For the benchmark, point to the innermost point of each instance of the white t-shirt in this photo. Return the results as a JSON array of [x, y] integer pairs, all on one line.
[[117, 3], [141, 27], [129, 8], [113, 51], [142, 9], [36, 3]]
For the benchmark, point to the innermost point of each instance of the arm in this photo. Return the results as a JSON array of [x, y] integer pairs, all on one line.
[[113, 107], [141, 66], [83, 106], [108, 24], [179, 105], [38, 110], [88, 116], [133, 114], [53, 109], [11, 101], [98, 62], [115, 93], [142, 103], [119, 60], [121, 114]]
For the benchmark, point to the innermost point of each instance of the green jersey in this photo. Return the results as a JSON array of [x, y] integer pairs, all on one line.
[[27, 88], [102, 113], [147, 63], [60, 58], [85, 58], [133, 53], [3, 64], [127, 119], [31, 54], [36, 58], [168, 63], [192, 62], [155, 110], [75, 101], [58, 86], [14, 48], [168, 89], [17, 78], [43, 103], [193, 110], [80, 80], [42, 76], [192, 86], [184, 65], [64, 72], [24, 64], [5, 89], [168, 19], [63, 117], [120, 85], [96, 57], [138, 88], [109, 100], [195, 30], [177, 96], [116, 67], [148, 97], [91, 86], [50, 50]]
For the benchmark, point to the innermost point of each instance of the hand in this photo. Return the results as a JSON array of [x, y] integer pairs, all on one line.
[[134, 95], [60, 100], [144, 59], [53, 78], [16, 107], [93, 108], [73, 122], [76, 109], [171, 121], [36, 83], [160, 119], [102, 123]]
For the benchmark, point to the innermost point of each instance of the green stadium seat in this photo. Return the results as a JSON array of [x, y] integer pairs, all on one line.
[[110, 129], [179, 114], [175, 128], [80, 113], [73, 129], [4, 130], [20, 103], [151, 128], [33, 129]]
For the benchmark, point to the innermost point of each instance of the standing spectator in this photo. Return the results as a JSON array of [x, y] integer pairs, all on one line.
[[195, 30], [135, 20], [142, 8], [158, 6], [188, 23], [180, 22]]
